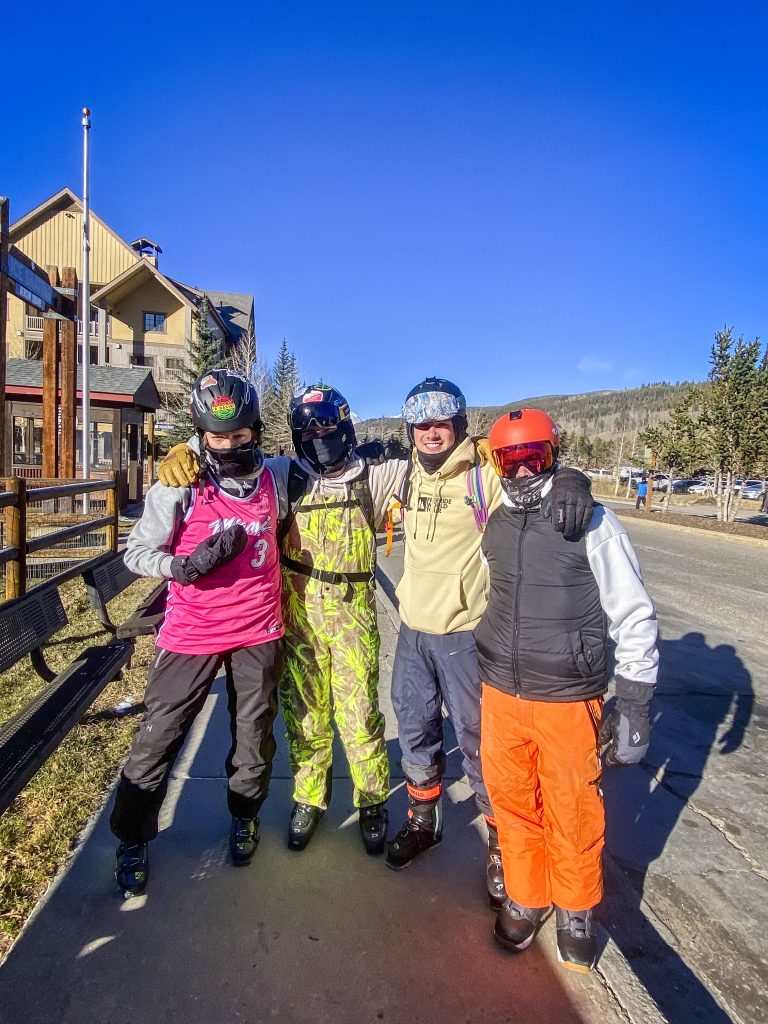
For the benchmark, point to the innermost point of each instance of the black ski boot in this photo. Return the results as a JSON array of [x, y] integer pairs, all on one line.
[[516, 925], [576, 941], [494, 871], [132, 869], [304, 820], [243, 840], [373, 828], [422, 830]]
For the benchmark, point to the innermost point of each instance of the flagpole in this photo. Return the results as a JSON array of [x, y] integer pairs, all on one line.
[[85, 314]]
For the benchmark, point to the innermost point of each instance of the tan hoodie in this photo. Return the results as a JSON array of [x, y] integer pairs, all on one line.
[[443, 589]]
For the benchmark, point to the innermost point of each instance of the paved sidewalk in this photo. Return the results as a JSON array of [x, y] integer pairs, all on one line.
[[327, 935]]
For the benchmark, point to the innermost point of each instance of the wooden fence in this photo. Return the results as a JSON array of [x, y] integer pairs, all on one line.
[[15, 500]]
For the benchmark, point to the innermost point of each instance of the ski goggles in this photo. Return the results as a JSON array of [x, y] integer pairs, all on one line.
[[312, 415], [536, 456], [431, 407]]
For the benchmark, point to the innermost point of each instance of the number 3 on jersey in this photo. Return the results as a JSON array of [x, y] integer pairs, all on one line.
[[260, 553]]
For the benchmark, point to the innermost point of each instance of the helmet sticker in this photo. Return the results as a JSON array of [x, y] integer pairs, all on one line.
[[209, 381], [313, 396], [223, 407]]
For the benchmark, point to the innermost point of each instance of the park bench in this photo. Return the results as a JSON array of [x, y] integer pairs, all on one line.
[[111, 577], [28, 739]]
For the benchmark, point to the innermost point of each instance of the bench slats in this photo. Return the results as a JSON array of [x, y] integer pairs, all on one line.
[[29, 738], [28, 622]]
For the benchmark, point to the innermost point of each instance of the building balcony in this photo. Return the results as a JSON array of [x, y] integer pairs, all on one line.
[[34, 325]]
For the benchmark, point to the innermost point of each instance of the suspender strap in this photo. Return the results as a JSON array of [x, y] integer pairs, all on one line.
[[326, 576]]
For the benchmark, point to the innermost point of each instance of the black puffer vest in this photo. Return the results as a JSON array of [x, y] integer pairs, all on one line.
[[542, 636]]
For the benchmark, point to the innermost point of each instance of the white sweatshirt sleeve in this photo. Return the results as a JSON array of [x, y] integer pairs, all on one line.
[[147, 550], [630, 611]]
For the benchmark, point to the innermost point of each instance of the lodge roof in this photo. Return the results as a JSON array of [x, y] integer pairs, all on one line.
[[133, 382]]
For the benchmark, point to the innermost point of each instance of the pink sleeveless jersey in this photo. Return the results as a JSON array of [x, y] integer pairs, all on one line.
[[237, 605]]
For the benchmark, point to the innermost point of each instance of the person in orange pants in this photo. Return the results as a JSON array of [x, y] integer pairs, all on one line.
[[542, 659]]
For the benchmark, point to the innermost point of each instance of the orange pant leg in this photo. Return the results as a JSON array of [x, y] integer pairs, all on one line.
[[509, 761], [569, 775]]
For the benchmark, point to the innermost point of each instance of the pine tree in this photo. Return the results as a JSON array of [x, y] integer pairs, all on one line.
[[284, 383], [203, 354]]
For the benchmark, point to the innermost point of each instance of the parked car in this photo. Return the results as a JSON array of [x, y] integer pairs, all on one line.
[[684, 486], [753, 489], [703, 487]]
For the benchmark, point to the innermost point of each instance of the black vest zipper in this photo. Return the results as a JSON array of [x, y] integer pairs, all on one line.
[[516, 629]]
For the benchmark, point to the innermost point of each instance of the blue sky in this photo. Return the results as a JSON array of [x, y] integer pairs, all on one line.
[[529, 199]]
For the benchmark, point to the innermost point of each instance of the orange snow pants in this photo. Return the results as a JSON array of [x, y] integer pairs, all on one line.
[[541, 764]]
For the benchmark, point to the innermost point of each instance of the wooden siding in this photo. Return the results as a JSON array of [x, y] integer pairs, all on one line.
[[58, 239]]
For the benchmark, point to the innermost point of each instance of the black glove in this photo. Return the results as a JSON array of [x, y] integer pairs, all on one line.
[[375, 452], [569, 502], [372, 453], [625, 730], [210, 554]]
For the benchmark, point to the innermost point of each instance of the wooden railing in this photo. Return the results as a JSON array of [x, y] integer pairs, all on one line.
[[15, 500]]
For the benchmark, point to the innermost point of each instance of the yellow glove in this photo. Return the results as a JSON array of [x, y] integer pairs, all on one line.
[[482, 444], [179, 468]]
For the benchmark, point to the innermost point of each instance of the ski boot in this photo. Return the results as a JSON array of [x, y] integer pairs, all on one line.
[[304, 820], [516, 925], [494, 871], [373, 828], [243, 840], [423, 827], [132, 869], [576, 941]]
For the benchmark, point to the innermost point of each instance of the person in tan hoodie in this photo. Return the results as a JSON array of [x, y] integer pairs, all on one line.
[[447, 492]]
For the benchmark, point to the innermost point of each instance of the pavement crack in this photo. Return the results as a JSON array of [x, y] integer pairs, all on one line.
[[660, 775]]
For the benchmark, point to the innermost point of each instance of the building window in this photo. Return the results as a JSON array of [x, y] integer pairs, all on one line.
[[148, 361], [33, 349], [154, 322], [94, 352]]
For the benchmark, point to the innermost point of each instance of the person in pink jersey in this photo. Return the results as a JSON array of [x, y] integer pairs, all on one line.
[[216, 543]]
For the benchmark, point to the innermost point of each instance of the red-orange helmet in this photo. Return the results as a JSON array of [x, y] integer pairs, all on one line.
[[524, 437]]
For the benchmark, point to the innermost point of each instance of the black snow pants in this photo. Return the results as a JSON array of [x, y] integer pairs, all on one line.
[[177, 688]]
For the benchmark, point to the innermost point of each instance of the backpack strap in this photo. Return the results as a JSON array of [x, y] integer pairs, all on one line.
[[476, 497]]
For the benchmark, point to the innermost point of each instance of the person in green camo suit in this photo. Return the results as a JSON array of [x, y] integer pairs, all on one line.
[[328, 560]]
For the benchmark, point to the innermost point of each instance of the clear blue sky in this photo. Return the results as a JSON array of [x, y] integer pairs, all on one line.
[[529, 199]]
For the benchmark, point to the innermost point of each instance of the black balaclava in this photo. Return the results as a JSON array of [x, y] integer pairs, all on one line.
[[242, 461], [330, 452], [524, 492], [431, 463]]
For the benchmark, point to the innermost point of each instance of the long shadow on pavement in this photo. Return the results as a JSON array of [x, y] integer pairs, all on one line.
[[700, 689]]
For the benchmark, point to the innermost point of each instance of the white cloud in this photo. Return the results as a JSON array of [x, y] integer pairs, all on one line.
[[591, 364]]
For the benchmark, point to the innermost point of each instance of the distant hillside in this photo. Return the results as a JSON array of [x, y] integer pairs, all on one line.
[[602, 414]]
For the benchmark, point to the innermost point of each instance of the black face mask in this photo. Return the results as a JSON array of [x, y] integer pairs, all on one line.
[[326, 453], [243, 460]]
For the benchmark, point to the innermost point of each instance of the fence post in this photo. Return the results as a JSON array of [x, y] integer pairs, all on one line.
[[16, 537], [112, 510]]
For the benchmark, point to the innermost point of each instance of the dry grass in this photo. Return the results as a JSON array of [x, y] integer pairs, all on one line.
[[39, 829]]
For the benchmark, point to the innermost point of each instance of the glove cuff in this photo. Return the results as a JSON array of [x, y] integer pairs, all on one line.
[[633, 694]]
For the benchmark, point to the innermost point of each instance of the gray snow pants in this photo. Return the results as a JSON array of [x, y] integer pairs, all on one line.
[[431, 670], [177, 687]]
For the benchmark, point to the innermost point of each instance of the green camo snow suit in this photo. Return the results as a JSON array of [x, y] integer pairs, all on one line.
[[332, 645]]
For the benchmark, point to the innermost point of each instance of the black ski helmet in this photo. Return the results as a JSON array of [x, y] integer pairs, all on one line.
[[320, 406], [436, 399], [223, 401]]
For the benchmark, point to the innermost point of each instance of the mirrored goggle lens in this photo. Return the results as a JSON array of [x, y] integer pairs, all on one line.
[[431, 407], [314, 414], [537, 456]]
